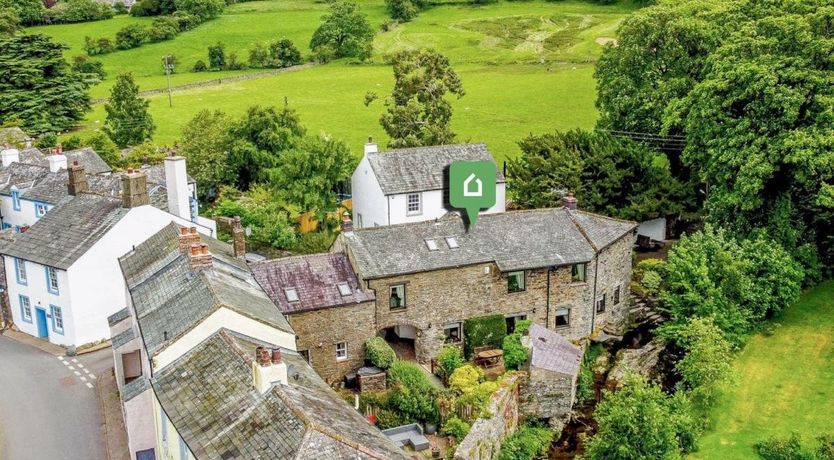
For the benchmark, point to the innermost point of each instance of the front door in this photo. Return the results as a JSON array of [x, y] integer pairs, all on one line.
[[43, 330]]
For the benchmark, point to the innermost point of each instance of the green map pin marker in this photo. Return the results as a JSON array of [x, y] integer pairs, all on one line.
[[472, 187]]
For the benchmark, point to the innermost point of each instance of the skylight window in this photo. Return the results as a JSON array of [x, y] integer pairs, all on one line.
[[432, 245], [292, 294], [344, 289], [452, 242]]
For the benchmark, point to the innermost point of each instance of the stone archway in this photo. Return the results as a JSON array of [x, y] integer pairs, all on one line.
[[403, 339]]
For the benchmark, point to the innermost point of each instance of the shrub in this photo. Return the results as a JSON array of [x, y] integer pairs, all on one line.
[[455, 428], [202, 9], [259, 56], [106, 149], [783, 449], [102, 45], [131, 36], [84, 65], [199, 66], [72, 142], [585, 383], [465, 378], [516, 354], [379, 352], [217, 56], [71, 11], [164, 28], [233, 64], [449, 359], [46, 141], [410, 375], [270, 224], [478, 397], [283, 53], [527, 443], [120, 8], [483, 331], [402, 10], [314, 243]]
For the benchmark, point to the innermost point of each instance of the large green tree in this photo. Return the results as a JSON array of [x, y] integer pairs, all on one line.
[[608, 175], [201, 9], [128, 120], [204, 143], [30, 12], [38, 87], [344, 31], [418, 111]]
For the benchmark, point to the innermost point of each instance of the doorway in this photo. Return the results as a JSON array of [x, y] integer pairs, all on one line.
[[43, 329]]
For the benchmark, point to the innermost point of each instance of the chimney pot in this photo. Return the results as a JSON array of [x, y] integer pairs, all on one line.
[[193, 230], [276, 356], [204, 249], [569, 201], [371, 146], [77, 179], [59, 148], [183, 231], [262, 356], [195, 249]]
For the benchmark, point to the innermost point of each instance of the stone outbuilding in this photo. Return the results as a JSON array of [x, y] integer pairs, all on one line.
[[554, 371]]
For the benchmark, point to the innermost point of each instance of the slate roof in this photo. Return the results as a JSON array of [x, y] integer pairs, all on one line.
[[135, 388], [118, 317], [514, 240], [315, 278], [551, 351], [20, 175], [169, 298], [209, 396], [122, 338], [13, 135], [87, 157], [421, 168], [65, 233]]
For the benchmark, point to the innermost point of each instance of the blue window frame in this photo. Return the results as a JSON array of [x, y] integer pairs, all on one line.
[[57, 319], [183, 450], [20, 271], [25, 308], [52, 280], [40, 209], [5, 225], [15, 199]]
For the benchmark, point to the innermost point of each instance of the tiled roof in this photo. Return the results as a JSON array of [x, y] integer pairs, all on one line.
[[135, 388], [20, 175], [13, 135], [86, 157], [421, 168], [170, 299], [513, 240], [65, 233], [315, 278], [208, 394], [118, 317], [553, 352], [122, 338]]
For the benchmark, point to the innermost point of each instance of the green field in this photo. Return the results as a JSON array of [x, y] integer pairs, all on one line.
[[526, 67], [786, 382]]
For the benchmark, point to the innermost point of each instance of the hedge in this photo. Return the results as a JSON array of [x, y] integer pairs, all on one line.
[[379, 352], [483, 331], [528, 443]]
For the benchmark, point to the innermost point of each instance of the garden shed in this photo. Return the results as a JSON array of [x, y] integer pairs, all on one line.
[[554, 370]]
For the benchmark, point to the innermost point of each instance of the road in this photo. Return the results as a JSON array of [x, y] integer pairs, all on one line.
[[49, 406]]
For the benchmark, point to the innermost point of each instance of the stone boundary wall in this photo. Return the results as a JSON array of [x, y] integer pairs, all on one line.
[[216, 82], [486, 435]]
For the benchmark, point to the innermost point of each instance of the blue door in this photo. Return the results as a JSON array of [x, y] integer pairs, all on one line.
[[43, 331]]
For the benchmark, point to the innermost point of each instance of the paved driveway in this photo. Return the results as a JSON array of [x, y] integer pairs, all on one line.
[[49, 406]]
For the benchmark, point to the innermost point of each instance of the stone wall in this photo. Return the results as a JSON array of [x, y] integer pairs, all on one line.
[[547, 394], [486, 435], [615, 270], [319, 331]]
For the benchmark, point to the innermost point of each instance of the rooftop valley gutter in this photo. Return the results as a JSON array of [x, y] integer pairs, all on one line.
[[594, 296]]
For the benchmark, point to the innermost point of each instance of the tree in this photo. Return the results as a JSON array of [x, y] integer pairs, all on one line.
[[345, 30], [611, 176], [30, 12], [418, 112], [204, 143], [308, 175], [283, 53], [131, 36], [164, 28], [86, 66], [201, 9], [217, 56], [128, 120], [38, 87], [270, 224], [405, 10], [9, 21], [106, 149], [634, 424], [257, 141]]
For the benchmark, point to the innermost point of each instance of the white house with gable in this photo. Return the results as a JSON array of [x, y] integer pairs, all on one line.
[[409, 185]]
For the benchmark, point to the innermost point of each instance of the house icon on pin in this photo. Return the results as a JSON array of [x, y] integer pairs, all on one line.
[[468, 189]]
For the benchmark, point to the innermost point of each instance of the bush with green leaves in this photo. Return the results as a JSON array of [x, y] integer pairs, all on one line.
[[71, 11], [465, 378], [283, 53], [529, 442], [344, 32], [131, 36], [71, 143], [481, 331], [783, 449], [456, 428], [412, 394], [448, 359], [585, 382], [404, 10], [314, 242], [106, 149], [270, 225], [28, 12], [97, 46], [649, 274], [379, 352], [201, 9], [163, 28], [47, 141], [217, 56], [516, 354], [86, 66], [119, 7], [199, 66]]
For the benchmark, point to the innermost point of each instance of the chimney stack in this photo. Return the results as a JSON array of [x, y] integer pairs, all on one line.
[[200, 256], [371, 146], [238, 238], [134, 189], [188, 237], [77, 179], [176, 183], [347, 223], [569, 201], [9, 155], [59, 149], [268, 368], [57, 162]]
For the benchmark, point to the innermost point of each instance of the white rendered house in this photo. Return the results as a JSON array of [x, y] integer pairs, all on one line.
[[408, 185]]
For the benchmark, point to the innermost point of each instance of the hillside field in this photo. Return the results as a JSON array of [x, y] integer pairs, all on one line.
[[527, 66]]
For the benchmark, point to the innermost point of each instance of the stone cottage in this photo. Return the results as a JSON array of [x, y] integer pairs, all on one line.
[[553, 373]]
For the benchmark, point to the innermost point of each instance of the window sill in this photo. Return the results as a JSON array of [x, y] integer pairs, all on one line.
[[397, 309], [339, 360], [578, 283], [516, 291]]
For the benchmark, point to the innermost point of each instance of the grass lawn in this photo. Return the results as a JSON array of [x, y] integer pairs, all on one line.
[[787, 382], [526, 67]]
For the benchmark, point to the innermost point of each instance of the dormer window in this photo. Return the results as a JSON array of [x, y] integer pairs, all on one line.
[[452, 242], [292, 294], [40, 209], [344, 289], [15, 199], [432, 245]]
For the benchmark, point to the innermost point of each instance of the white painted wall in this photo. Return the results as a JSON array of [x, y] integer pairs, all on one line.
[[40, 297], [368, 199], [141, 423], [26, 215], [432, 206], [223, 318], [655, 229]]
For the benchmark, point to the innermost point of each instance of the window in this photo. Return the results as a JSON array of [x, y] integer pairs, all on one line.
[[25, 308], [57, 319], [341, 351], [563, 317], [616, 299], [397, 297], [413, 203], [52, 280], [578, 272], [512, 322], [15, 199], [452, 332], [515, 281], [452, 242], [432, 245], [359, 219], [40, 209], [20, 271], [292, 294], [601, 304], [344, 289]]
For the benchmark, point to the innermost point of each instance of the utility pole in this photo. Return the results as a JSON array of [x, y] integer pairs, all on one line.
[[168, 65]]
